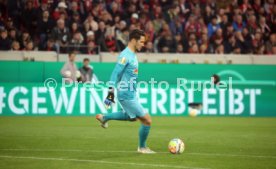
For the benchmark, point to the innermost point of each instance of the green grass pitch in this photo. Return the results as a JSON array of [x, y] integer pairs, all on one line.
[[80, 143]]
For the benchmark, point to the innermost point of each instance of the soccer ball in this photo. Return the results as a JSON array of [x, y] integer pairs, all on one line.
[[78, 74], [176, 146], [67, 73], [193, 112]]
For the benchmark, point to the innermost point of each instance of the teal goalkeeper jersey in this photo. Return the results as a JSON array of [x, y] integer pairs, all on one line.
[[125, 75]]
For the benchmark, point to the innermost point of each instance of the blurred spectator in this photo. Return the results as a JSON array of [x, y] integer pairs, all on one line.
[[74, 28], [29, 46], [2, 22], [170, 14], [69, 69], [201, 27], [90, 36], [13, 35], [213, 26], [265, 29], [224, 22], [149, 30], [76, 42], [91, 24], [45, 26], [219, 49], [134, 19], [74, 11], [149, 47], [30, 17], [269, 45], [9, 24], [257, 6], [61, 34], [43, 7], [49, 46], [176, 26], [252, 25], [5, 43], [194, 49], [158, 19], [167, 43], [121, 35], [142, 21], [241, 40], [53, 25], [91, 48], [238, 23], [15, 46], [185, 7], [25, 37], [220, 15], [273, 50], [75, 18], [208, 14], [14, 11], [189, 43], [257, 42], [60, 10], [100, 36], [203, 49], [86, 71], [245, 6], [110, 43], [115, 9], [179, 48], [228, 31], [191, 26], [247, 41], [217, 39], [230, 44], [268, 6]]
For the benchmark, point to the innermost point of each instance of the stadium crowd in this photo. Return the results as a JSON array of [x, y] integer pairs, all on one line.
[[174, 26]]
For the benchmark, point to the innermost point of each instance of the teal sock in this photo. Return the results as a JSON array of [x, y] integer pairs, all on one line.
[[116, 116], [143, 135]]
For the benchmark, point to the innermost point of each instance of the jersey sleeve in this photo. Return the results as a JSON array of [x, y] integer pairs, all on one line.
[[122, 62]]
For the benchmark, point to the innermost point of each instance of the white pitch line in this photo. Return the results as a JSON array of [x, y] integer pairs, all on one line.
[[233, 155], [102, 151], [101, 161], [69, 150]]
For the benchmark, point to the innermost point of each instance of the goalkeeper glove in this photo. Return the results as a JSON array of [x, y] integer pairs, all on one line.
[[110, 98]]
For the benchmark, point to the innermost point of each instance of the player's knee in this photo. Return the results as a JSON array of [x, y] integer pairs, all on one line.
[[148, 122], [132, 119]]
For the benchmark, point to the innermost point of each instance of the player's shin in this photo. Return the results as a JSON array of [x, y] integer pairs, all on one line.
[[117, 116], [143, 135]]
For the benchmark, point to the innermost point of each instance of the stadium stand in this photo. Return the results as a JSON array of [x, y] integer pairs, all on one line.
[[177, 26]]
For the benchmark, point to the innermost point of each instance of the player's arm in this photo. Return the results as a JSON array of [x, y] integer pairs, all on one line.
[[117, 71], [63, 70]]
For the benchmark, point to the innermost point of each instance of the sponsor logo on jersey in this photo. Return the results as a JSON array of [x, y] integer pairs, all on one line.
[[135, 71], [123, 61]]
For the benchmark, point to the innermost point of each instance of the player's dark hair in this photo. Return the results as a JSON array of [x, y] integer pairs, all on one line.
[[216, 78], [136, 34], [86, 59], [71, 53]]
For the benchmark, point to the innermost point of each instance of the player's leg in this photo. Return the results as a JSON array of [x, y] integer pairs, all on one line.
[[115, 116], [103, 119], [122, 115], [133, 110], [144, 130]]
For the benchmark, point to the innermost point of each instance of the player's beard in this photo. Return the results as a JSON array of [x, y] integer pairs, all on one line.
[[137, 49]]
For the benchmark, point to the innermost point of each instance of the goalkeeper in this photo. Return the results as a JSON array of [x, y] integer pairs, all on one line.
[[124, 76]]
